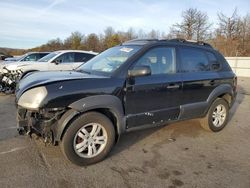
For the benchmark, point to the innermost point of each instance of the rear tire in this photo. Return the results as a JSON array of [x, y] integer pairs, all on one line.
[[217, 116], [88, 139]]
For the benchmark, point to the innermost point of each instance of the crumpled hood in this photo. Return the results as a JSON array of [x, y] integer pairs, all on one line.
[[42, 78], [4, 64]]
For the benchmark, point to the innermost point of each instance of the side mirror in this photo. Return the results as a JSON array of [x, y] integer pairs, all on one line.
[[56, 61], [139, 71]]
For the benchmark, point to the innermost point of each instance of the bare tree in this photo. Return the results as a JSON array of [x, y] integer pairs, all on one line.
[[229, 26], [202, 26], [245, 32], [153, 34], [232, 34], [194, 25]]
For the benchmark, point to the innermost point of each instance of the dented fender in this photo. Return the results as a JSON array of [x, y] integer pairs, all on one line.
[[112, 103]]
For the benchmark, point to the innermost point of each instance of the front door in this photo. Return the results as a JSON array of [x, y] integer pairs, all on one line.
[[155, 98]]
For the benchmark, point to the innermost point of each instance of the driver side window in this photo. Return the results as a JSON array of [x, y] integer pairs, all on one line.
[[65, 58], [161, 60]]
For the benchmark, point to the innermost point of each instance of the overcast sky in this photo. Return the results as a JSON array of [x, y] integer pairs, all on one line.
[[30, 23]]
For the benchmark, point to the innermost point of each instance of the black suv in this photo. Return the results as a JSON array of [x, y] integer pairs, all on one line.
[[138, 84]]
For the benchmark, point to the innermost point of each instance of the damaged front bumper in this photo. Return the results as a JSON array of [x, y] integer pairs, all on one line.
[[41, 123]]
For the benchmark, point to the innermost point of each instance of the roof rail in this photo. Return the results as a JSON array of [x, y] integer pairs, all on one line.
[[191, 42], [140, 41]]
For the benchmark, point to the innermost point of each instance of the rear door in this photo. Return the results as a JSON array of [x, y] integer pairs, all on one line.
[[199, 79], [155, 98]]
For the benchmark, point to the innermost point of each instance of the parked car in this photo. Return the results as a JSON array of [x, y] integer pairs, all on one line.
[[11, 59], [138, 84], [30, 56], [3, 56], [58, 60], [8, 81], [15, 61]]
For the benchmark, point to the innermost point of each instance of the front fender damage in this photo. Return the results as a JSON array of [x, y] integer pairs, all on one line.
[[39, 123]]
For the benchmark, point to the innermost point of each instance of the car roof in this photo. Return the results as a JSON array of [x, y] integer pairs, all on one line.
[[81, 51], [28, 53], [177, 41]]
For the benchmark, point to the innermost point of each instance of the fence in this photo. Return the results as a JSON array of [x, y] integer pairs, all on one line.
[[240, 65]]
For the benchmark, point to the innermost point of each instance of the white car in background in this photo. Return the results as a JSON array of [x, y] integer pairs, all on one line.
[[30, 56], [58, 60]]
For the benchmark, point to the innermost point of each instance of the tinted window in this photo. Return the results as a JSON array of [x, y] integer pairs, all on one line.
[[83, 57], [31, 57], [65, 58], [160, 60], [42, 55], [194, 60]]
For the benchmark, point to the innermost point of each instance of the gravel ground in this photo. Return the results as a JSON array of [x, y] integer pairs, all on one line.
[[178, 155]]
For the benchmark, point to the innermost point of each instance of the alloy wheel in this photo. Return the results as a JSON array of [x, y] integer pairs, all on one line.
[[219, 115], [90, 140]]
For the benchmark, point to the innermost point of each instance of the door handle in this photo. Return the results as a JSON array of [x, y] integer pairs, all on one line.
[[173, 86]]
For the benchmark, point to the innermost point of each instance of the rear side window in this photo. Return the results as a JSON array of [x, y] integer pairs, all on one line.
[[38, 57], [194, 60], [83, 57]]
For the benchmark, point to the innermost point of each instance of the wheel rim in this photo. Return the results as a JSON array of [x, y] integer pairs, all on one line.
[[219, 115], [90, 140]]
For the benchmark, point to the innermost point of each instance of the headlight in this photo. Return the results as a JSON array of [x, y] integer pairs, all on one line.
[[5, 70], [32, 98]]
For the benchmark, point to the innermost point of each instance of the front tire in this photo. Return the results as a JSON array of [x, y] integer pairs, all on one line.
[[88, 139], [217, 116]]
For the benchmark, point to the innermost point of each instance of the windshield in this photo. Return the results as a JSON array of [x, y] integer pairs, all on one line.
[[109, 60], [21, 57], [48, 57]]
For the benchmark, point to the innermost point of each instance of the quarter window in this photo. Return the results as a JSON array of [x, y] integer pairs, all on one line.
[[160, 60], [194, 60], [211, 57], [83, 57]]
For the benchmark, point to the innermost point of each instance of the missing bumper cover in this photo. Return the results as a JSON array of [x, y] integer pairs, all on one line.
[[39, 123]]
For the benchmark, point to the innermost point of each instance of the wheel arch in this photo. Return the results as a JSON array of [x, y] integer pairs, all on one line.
[[222, 91], [108, 105], [227, 97]]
